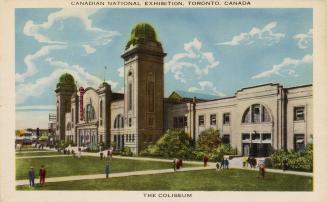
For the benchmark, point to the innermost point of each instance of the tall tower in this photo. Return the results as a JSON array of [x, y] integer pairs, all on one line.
[[64, 91], [144, 86]]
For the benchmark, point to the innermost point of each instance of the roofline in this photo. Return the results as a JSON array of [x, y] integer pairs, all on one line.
[[260, 85], [197, 98], [300, 86]]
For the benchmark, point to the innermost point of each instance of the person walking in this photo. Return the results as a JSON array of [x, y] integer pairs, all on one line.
[[31, 176], [101, 155], [42, 173], [222, 164], [244, 159], [174, 164], [107, 170], [217, 166], [226, 163], [110, 153], [205, 160]]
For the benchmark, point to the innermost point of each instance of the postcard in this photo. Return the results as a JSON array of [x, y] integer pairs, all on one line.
[[163, 100]]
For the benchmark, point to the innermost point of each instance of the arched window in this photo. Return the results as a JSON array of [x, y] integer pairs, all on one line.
[[119, 121], [90, 113], [256, 113], [68, 127]]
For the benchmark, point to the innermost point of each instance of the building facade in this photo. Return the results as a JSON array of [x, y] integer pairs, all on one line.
[[260, 118]]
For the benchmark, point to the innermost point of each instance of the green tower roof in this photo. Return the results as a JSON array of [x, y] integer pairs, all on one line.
[[66, 80], [141, 33]]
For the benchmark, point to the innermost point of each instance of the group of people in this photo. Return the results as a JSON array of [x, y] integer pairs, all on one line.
[[73, 153], [177, 164], [250, 161], [222, 164], [31, 176], [109, 154]]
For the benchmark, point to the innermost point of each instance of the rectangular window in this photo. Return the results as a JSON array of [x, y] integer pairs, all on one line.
[[266, 136], [201, 120], [226, 118], [256, 113], [180, 121], [151, 96], [185, 121], [213, 121], [130, 96], [298, 113], [298, 142], [226, 139], [246, 136], [255, 136], [130, 122]]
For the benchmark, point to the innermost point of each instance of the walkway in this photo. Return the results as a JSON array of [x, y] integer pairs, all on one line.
[[211, 165], [102, 176]]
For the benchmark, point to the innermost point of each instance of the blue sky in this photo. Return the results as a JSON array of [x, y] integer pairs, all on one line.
[[209, 51]]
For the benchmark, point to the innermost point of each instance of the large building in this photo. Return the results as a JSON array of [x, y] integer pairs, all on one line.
[[262, 117]]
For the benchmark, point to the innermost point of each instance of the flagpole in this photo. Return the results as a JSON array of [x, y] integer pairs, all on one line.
[[104, 75]]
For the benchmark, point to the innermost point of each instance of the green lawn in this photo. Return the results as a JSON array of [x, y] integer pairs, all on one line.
[[66, 166], [205, 180], [29, 148], [34, 153]]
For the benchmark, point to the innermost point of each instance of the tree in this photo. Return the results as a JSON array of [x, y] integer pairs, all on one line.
[[209, 140], [174, 143]]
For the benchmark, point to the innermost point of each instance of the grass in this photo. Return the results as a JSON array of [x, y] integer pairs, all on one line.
[[35, 153], [67, 166], [204, 180], [24, 149]]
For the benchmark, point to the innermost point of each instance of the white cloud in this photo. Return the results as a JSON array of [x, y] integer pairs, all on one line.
[[80, 74], [192, 59], [286, 67], [89, 49], [42, 85], [206, 87], [38, 31], [31, 58], [120, 71], [265, 34], [303, 40]]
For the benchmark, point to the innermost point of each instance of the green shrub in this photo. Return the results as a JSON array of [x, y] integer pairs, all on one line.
[[296, 160], [209, 140], [126, 151]]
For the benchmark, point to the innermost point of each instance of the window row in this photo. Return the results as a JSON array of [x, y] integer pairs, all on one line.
[[213, 119], [125, 138], [180, 122], [256, 136]]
